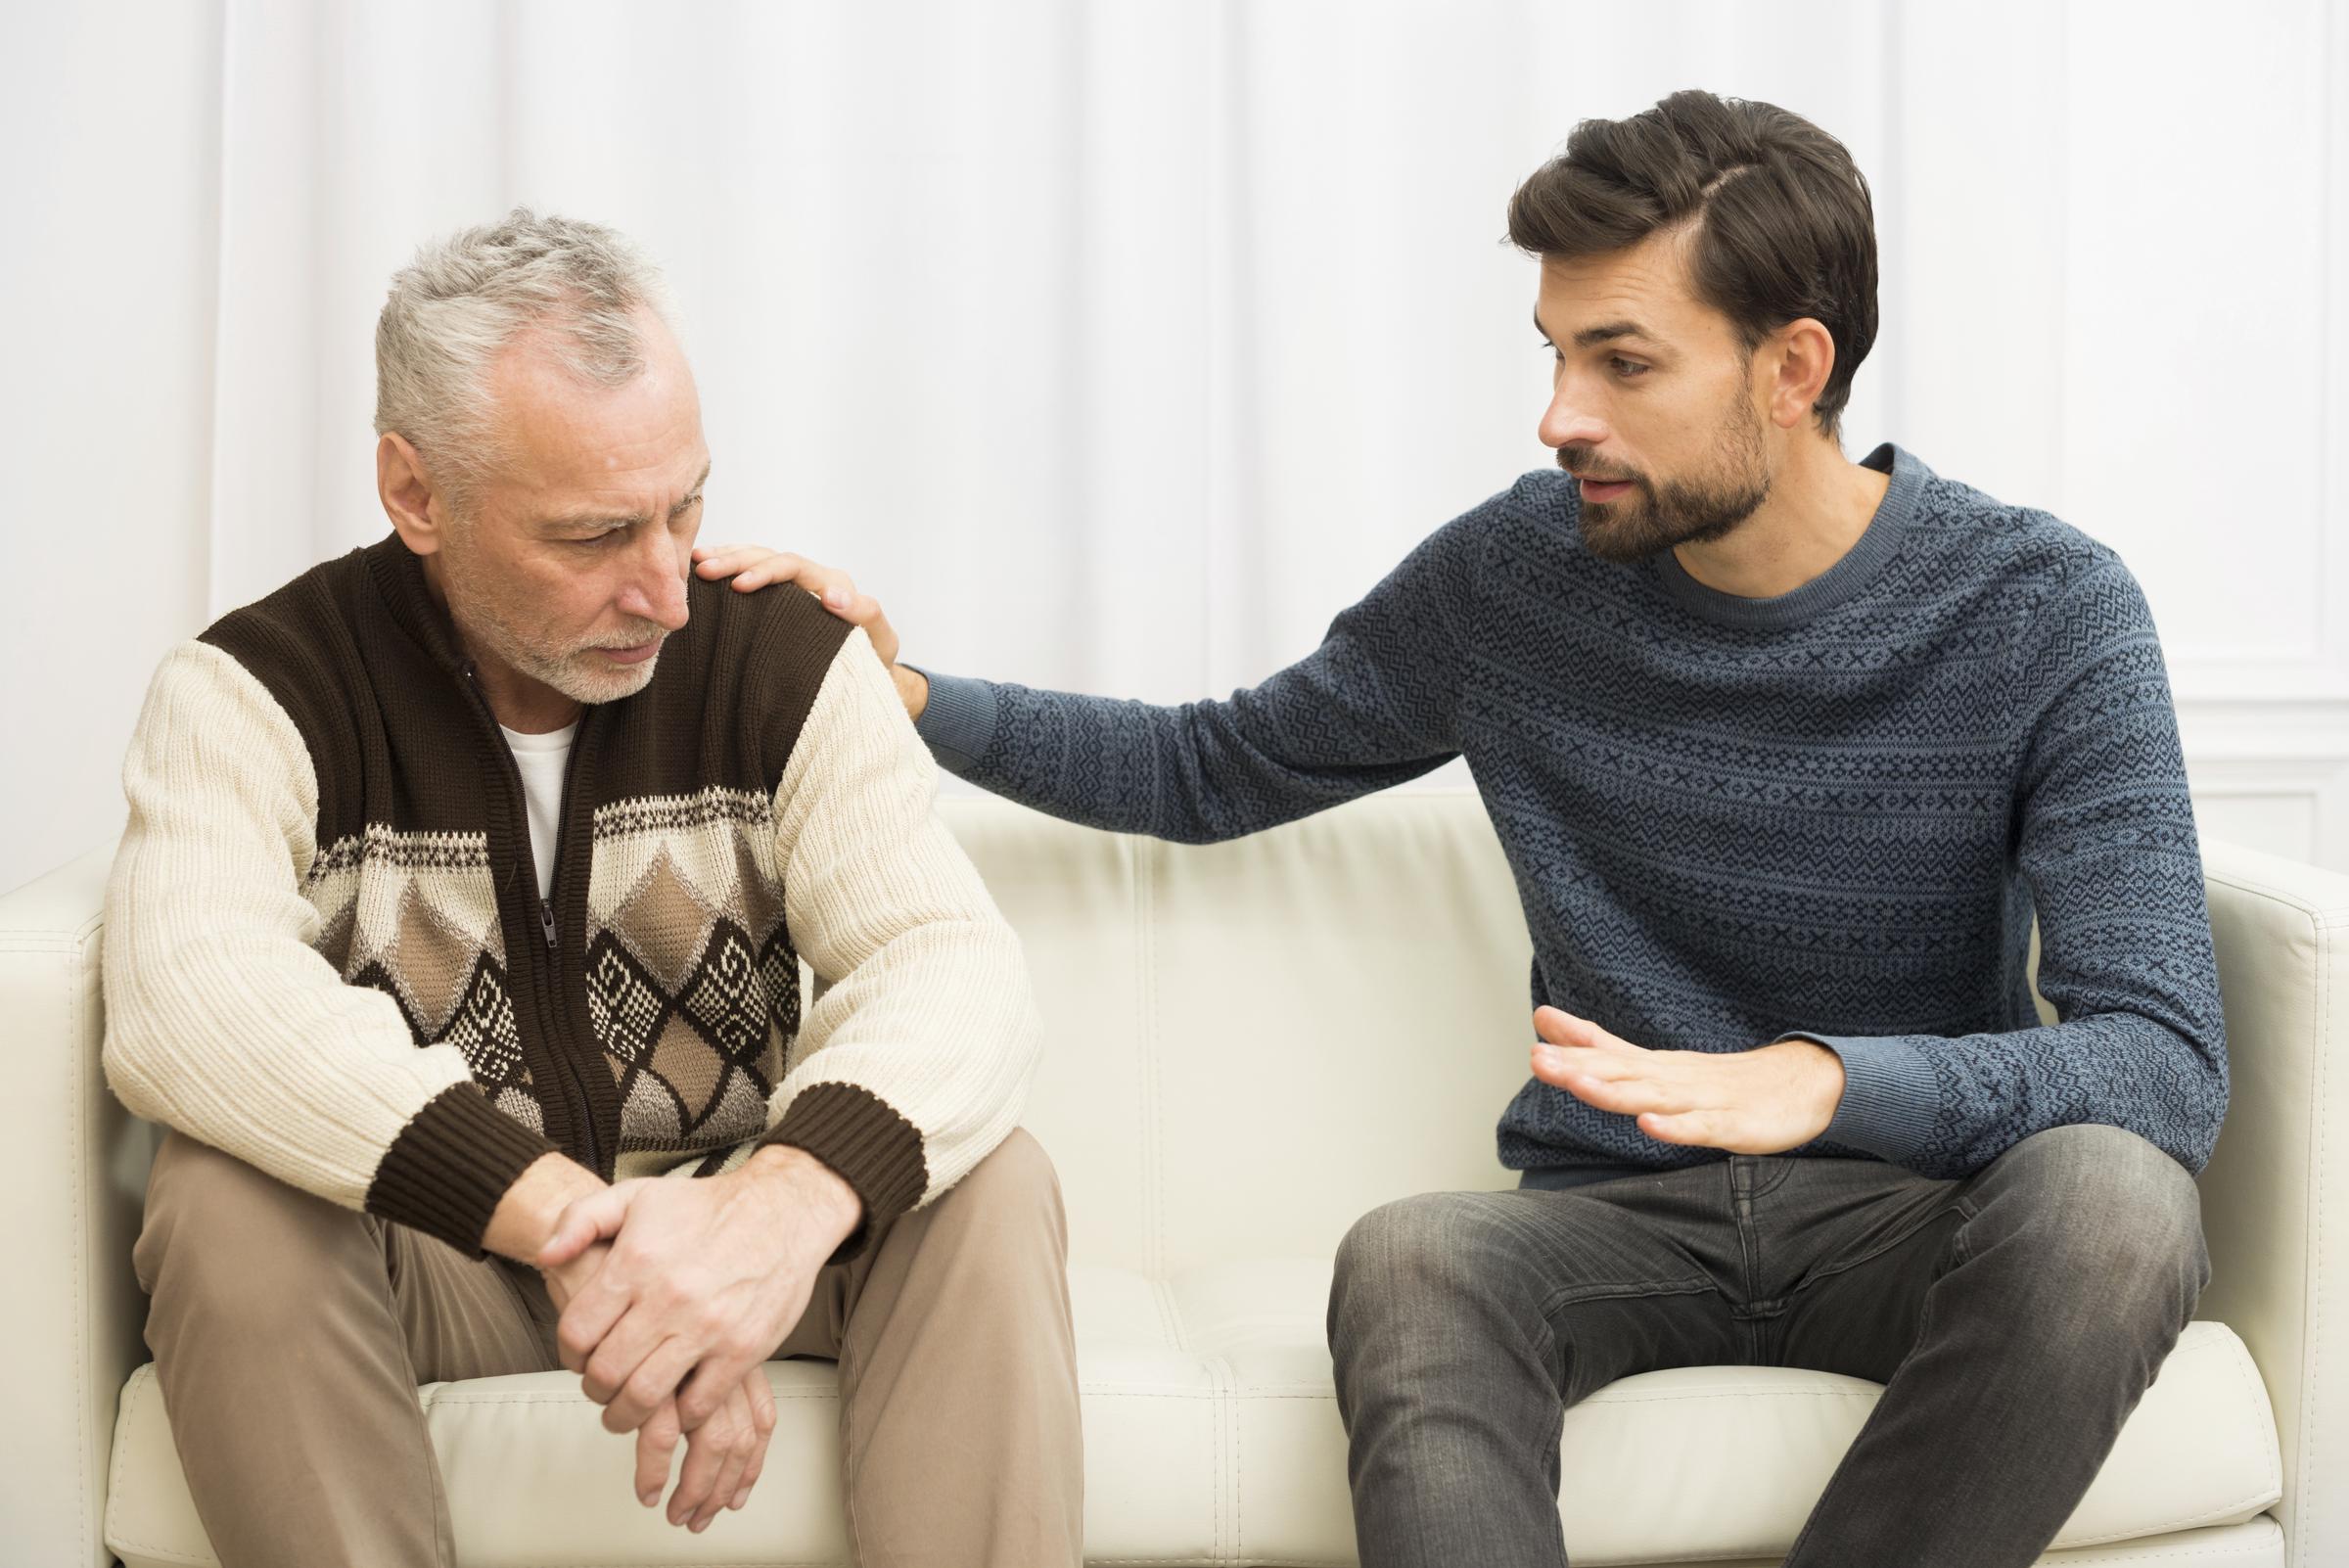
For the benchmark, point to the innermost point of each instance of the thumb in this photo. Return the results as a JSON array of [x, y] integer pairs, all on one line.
[[581, 1224]]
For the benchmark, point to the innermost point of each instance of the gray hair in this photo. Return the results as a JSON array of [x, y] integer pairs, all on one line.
[[465, 297]]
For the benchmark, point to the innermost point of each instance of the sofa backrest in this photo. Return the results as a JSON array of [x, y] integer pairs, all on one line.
[[1249, 1044]]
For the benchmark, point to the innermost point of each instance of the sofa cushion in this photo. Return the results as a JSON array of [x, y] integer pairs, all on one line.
[[1212, 1436]]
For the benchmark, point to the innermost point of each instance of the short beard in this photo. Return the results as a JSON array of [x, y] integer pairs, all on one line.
[[571, 671], [1682, 512]]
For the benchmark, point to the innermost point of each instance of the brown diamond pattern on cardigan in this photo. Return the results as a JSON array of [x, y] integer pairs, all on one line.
[[693, 985], [482, 1026], [414, 915]]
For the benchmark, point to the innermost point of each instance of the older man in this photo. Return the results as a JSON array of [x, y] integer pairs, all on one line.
[[466, 883]]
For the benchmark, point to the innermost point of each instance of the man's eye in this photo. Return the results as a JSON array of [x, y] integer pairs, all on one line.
[[1631, 365]]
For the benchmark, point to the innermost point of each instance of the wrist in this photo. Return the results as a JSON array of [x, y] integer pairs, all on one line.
[[913, 689], [810, 1183], [523, 1221], [1824, 1068]]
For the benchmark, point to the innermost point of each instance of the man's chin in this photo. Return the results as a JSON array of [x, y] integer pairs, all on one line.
[[1619, 540], [584, 682]]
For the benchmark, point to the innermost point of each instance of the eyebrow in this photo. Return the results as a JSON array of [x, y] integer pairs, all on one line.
[[1606, 333], [593, 521]]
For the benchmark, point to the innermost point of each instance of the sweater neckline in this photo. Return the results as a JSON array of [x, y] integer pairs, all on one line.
[[1848, 576], [399, 578]]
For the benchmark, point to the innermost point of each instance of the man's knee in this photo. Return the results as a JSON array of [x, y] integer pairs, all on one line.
[[231, 1242], [2109, 1215], [1418, 1261], [1014, 1187]]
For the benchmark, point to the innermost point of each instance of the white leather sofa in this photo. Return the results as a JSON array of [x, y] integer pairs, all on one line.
[[1248, 1046]]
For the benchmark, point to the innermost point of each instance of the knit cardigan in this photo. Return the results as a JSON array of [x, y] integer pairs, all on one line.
[[324, 951]]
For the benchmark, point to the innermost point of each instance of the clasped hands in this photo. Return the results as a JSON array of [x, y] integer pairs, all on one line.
[[674, 1292], [1760, 1101]]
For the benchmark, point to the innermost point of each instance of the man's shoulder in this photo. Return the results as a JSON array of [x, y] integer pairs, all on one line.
[[301, 642], [287, 624], [780, 634], [762, 656], [2025, 553], [1537, 515]]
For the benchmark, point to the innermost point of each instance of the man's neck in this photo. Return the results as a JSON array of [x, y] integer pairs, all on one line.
[[1820, 504], [520, 702]]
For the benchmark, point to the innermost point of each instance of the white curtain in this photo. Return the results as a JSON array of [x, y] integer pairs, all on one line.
[[1118, 346]]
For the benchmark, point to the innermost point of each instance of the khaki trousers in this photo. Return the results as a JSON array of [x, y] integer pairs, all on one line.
[[289, 1336]]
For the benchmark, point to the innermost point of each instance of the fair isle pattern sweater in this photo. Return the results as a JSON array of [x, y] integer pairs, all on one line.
[[326, 952], [1827, 816]]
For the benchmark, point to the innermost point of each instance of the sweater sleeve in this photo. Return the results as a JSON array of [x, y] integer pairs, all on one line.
[[2106, 842], [220, 1018], [914, 1062], [1375, 704]]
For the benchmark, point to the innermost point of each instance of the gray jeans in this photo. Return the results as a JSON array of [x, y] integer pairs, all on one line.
[[2015, 1318]]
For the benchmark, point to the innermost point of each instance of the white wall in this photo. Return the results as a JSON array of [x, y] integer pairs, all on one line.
[[110, 201], [1119, 347]]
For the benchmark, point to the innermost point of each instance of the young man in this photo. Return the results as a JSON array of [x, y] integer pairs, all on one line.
[[466, 885], [1786, 751]]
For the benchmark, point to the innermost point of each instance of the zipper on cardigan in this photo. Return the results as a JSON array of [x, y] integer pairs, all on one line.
[[552, 997]]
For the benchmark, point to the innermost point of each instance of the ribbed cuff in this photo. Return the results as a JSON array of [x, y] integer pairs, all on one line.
[[1890, 1094], [873, 1149], [959, 719], [447, 1172]]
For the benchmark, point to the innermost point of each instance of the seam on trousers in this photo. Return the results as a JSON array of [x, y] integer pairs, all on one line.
[[1964, 1206], [1575, 1295]]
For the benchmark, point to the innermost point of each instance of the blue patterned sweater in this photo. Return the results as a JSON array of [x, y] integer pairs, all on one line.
[[1827, 816]]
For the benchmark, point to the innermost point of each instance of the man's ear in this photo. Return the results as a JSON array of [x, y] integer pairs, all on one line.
[[1804, 353], [416, 509]]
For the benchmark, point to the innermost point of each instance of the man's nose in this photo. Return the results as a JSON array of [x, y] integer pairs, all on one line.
[[655, 586], [1568, 422]]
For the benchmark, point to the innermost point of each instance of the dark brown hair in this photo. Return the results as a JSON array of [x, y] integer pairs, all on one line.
[[1782, 224]]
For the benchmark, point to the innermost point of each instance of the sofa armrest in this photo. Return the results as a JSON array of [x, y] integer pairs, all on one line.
[[74, 1311], [2275, 1193]]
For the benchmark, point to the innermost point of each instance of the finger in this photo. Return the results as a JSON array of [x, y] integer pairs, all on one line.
[[1628, 1096], [734, 557], [581, 1224], [1555, 1063], [588, 1321], [1561, 1028], [1552, 1066], [656, 1449], [1569, 1065], [648, 1385], [1684, 1126], [835, 589], [758, 575], [615, 1357], [762, 1423], [704, 1455], [619, 1359], [735, 1423], [883, 635], [708, 1385]]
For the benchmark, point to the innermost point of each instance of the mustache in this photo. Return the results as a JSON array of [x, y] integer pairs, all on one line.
[[1577, 460], [652, 632]]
